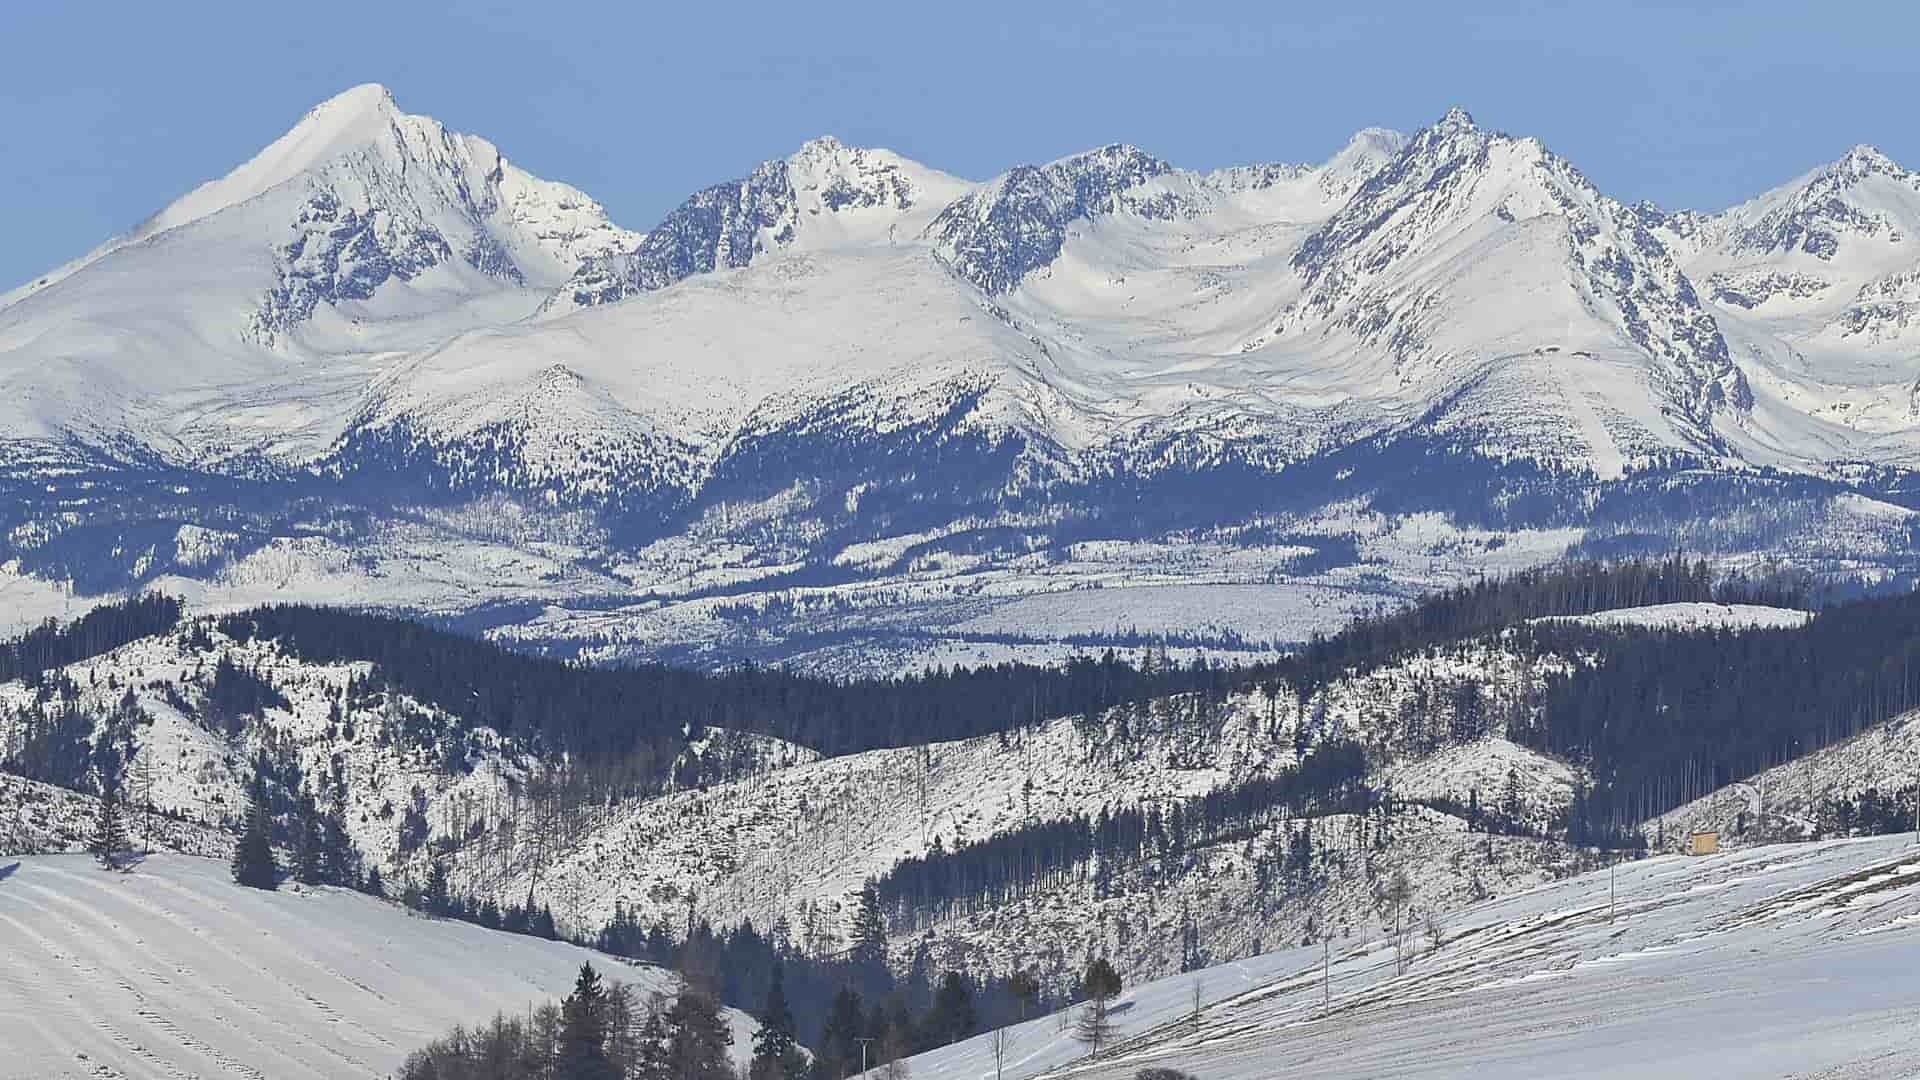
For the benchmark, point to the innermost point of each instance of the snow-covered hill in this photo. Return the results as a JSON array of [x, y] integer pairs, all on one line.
[[38, 818], [1802, 798], [1782, 960], [172, 970], [771, 832], [1692, 616]]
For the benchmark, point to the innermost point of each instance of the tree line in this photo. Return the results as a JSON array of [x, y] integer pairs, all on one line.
[[1495, 603], [924, 890], [101, 630], [1663, 716], [652, 709]]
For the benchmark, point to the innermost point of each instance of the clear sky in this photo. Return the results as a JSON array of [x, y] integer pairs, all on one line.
[[111, 110]]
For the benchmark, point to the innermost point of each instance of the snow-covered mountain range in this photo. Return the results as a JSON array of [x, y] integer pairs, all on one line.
[[381, 361]]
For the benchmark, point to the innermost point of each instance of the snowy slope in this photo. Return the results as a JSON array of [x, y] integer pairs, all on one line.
[[1790, 800], [37, 818], [1784, 960], [172, 970], [1814, 284], [361, 234], [1691, 616]]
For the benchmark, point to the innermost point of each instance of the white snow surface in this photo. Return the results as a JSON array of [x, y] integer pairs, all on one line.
[[1692, 616], [172, 970], [1787, 960]]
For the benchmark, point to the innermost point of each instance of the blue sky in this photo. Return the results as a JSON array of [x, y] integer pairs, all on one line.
[[112, 110]]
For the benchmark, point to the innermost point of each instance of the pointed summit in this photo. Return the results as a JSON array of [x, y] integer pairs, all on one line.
[[1862, 196], [1456, 117], [342, 123], [1864, 160]]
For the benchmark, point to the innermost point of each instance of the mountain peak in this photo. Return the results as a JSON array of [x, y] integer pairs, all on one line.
[[1864, 160], [822, 144], [342, 123], [369, 95], [1456, 117]]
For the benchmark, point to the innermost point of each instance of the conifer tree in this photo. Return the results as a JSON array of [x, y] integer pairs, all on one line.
[[775, 1053], [697, 1038], [953, 1016], [309, 865], [651, 1061], [582, 1049], [869, 929], [435, 901], [1100, 985], [109, 837], [253, 864]]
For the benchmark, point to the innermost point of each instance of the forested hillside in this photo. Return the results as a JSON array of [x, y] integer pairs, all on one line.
[[980, 822]]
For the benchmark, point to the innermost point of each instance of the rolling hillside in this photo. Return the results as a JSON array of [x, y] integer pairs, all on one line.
[[171, 970], [1789, 960]]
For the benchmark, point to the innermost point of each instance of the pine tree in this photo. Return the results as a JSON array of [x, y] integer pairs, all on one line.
[[583, 1031], [109, 837], [697, 1038], [435, 900], [775, 1053], [953, 1016], [309, 864], [1024, 985], [1100, 985], [253, 864], [869, 929], [342, 859], [837, 1052], [651, 1061]]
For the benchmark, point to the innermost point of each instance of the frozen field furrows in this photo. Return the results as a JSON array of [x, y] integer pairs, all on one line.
[[173, 971], [1791, 960]]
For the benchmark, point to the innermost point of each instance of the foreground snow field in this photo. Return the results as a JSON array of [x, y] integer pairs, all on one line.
[[173, 971], [1793, 960]]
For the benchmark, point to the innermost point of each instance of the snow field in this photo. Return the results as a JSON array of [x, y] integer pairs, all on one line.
[[171, 970], [1784, 960]]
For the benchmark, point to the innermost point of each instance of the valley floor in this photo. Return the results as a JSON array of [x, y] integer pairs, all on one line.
[[1792, 960]]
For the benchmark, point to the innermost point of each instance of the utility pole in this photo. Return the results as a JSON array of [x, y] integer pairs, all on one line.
[[1326, 978], [863, 1041]]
